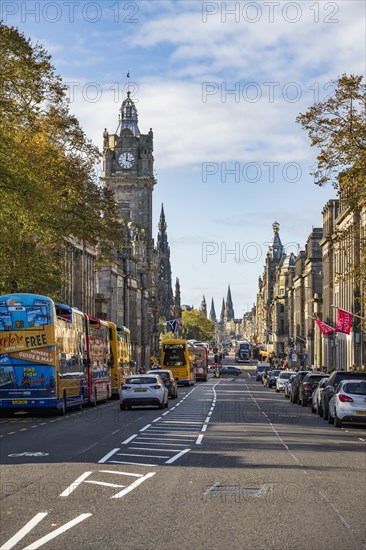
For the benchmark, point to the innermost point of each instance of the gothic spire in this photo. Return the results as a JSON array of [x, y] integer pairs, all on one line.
[[162, 223], [212, 316], [222, 314], [229, 306], [128, 117], [203, 306], [177, 304]]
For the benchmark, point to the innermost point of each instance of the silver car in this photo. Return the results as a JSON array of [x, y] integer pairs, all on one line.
[[348, 403], [288, 385], [282, 379], [143, 389], [316, 398]]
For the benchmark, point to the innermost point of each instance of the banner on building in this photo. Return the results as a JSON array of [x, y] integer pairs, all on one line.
[[344, 321], [325, 329]]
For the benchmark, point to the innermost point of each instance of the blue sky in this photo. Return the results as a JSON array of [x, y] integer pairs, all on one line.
[[221, 84]]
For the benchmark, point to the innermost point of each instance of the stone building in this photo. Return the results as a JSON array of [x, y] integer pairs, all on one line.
[[280, 306], [127, 285], [266, 283], [79, 267]]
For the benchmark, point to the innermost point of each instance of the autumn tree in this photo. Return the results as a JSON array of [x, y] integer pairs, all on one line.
[[196, 326], [49, 189], [337, 128]]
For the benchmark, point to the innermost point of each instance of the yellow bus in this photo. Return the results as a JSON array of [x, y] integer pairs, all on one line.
[[120, 343], [177, 357]]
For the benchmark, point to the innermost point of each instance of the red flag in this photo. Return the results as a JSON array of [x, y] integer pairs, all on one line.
[[344, 321], [325, 329]]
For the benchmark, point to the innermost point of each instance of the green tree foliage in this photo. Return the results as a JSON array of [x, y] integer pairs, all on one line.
[[196, 326], [337, 127], [49, 189]]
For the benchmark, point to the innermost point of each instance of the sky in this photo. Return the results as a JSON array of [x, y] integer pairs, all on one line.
[[221, 85]]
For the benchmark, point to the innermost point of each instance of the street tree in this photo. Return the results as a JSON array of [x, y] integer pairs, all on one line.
[[337, 128], [50, 193], [196, 326]]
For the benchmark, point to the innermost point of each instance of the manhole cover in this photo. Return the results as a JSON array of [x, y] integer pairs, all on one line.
[[235, 490]]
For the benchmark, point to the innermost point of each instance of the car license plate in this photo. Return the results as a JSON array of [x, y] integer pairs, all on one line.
[[139, 390], [360, 412], [24, 402]]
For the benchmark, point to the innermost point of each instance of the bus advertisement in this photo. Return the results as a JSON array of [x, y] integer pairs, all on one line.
[[120, 344], [41, 355], [99, 360], [176, 356], [200, 363]]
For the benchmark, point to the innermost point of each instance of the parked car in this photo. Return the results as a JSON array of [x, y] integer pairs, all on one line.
[[348, 403], [295, 385], [316, 395], [230, 370], [143, 389], [334, 379], [272, 377], [168, 379], [282, 379], [261, 367], [307, 386], [288, 385]]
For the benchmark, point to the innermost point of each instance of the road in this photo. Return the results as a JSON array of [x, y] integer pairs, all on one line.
[[230, 464]]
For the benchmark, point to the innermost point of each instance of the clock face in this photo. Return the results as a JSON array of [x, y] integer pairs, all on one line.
[[126, 160]]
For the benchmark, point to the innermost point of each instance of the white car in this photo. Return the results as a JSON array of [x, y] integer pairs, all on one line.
[[348, 403], [143, 389], [282, 379]]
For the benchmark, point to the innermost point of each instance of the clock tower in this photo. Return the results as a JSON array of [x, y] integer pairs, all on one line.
[[126, 286], [128, 170]]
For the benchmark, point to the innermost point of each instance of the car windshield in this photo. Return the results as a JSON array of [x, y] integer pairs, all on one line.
[[275, 372], [285, 375], [163, 374], [355, 388], [142, 380]]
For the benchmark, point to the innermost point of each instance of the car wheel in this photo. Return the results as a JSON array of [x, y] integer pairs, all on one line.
[[313, 410], [167, 404], [320, 411], [161, 405], [303, 402], [337, 421], [277, 390], [330, 419], [326, 412]]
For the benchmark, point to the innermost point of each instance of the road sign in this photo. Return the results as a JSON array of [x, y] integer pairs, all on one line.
[[294, 356]]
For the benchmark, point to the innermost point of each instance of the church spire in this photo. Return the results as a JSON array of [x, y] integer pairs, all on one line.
[[162, 223], [222, 314], [203, 306], [229, 310], [212, 316], [177, 304], [128, 117]]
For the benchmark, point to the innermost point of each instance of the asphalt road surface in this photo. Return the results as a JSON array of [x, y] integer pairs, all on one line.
[[230, 464]]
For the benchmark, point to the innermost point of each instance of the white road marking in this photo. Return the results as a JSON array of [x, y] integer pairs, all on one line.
[[164, 439], [108, 455], [54, 534], [103, 483], [199, 439], [204, 428], [167, 412], [120, 473], [175, 457], [156, 419], [67, 492], [24, 531], [159, 442], [134, 485], [145, 428], [143, 456], [128, 439], [154, 449], [133, 463]]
